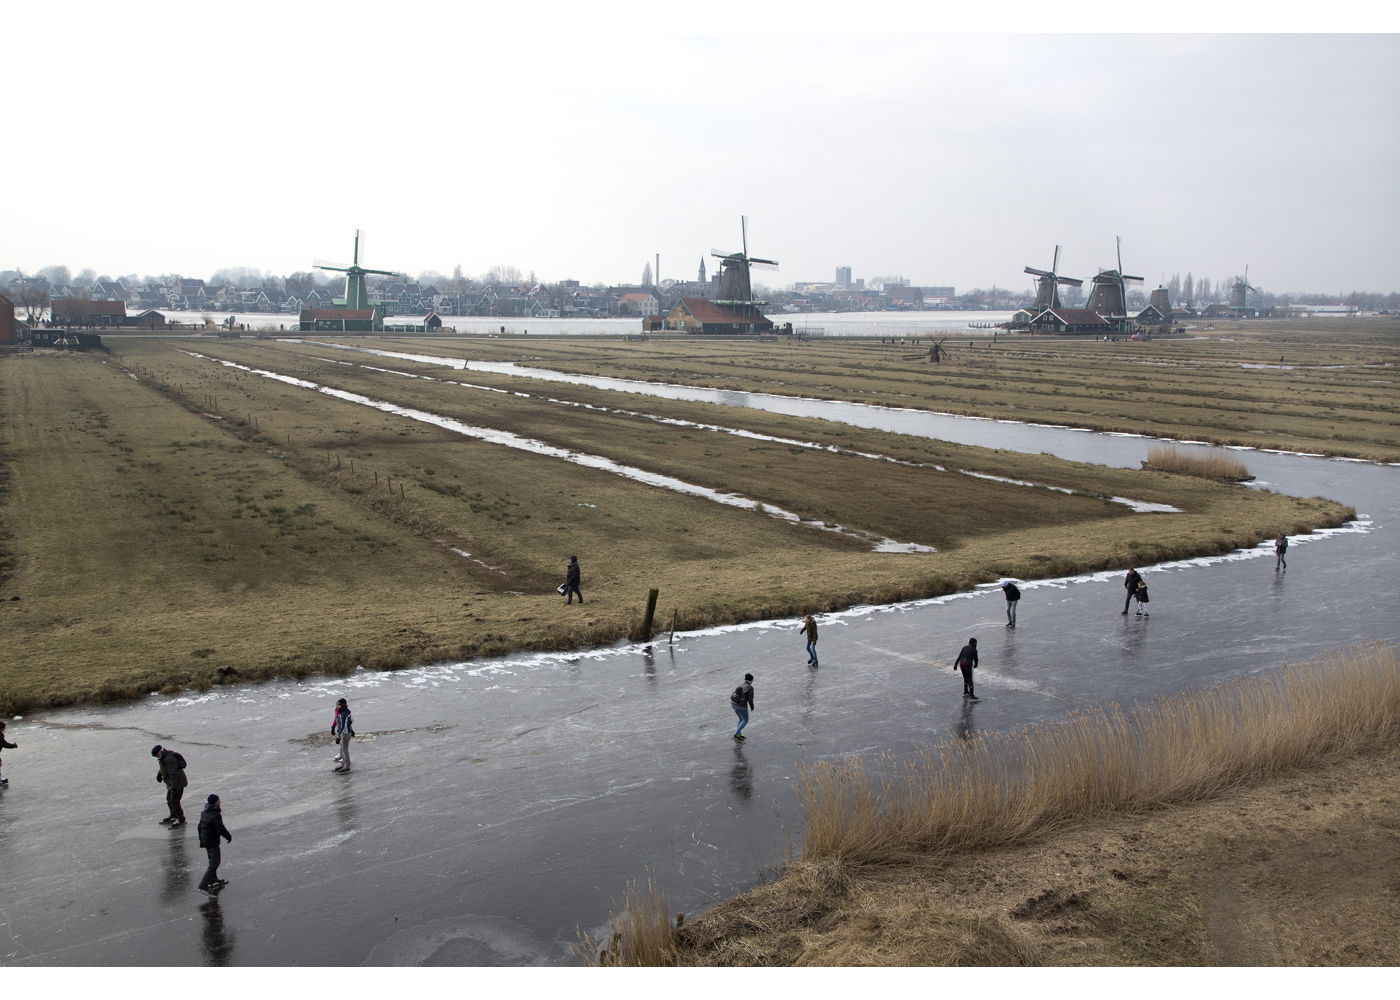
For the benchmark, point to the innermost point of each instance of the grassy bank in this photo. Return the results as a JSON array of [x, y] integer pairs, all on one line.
[[1335, 395], [177, 523], [1102, 839]]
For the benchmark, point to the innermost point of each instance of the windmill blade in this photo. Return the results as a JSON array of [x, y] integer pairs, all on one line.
[[1119, 239], [764, 265], [760, 260], [392, 274], [717, 252], [1043, 274], [1133, 277], [1055, 264], [1069, 281], [330, 265], [744, 225], [361, 238]]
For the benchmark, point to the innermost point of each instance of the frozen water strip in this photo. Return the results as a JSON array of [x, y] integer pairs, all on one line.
[[510, 440], [1140, 506]]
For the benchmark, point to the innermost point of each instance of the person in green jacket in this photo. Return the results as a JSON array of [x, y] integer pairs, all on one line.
[[170, 771]]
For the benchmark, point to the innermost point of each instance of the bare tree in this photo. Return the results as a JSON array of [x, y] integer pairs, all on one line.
[[34, 300], [1188, 290], [58, 275], [85, 277]]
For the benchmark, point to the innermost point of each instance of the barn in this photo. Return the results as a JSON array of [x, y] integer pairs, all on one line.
[[711, 318]]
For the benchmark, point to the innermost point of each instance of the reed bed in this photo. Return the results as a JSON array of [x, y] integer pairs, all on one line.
[[997, 789], [1214, 464]]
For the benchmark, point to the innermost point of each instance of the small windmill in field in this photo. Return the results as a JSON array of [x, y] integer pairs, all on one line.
[[1047, 291], [356, 291], [734, 285], [1239, 292]]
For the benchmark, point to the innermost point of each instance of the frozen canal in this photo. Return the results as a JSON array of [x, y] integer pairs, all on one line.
[[496, 806]]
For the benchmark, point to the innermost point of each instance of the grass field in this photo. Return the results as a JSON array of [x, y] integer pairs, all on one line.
[[171, 522], [1336, 395]]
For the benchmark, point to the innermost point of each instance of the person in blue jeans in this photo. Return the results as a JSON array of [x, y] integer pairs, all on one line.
[[741, 701], [809, 629]]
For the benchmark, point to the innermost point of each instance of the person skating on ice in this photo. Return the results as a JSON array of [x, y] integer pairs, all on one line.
[[1280, 552], [1013, 595], [1141, 595], [1130, 583], [809, 629], [5, 745], [343, 728], [211, 828], [967, 662], [170, 771], [742, 702]]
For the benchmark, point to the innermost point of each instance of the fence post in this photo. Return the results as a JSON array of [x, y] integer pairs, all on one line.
[[673, 627], [651, 613]]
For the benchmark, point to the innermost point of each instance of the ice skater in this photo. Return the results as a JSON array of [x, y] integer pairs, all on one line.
[[1281, 552], [1130, 583], [742, 701], [809, 629], [5, 745], [967, 662], [335, 716], [1142, 599], [343, 728], [211, 828], [571, 579], [170, 771], [1013, 595]]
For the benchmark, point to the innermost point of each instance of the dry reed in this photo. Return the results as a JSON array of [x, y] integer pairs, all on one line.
[[641, 935], [997, 789], [1214, 464]]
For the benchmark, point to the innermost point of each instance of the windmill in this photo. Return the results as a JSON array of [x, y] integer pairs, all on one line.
[[1047, 293], [1109, 295], [734, 284], [356, 292], [938, 352], [1239, 292]]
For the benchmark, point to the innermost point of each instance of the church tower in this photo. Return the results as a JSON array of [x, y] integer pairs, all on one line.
[[702, 270]]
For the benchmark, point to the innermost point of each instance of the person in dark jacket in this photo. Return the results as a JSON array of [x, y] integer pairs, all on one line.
[[809, 629], [211, 828], [1130, 584], [742, 701], [967, 662], [170, 771], [5, 745], [1280, 551], [571, 580], [1142, 599], [1013, 594], [342, 729]]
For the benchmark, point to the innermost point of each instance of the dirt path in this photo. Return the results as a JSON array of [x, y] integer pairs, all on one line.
[[1301, 871]]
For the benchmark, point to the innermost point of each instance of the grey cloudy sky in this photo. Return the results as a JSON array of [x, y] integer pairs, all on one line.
[[170, 140]]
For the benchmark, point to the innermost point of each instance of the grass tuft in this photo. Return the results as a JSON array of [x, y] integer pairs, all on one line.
[[641, 935], [1214, 464]]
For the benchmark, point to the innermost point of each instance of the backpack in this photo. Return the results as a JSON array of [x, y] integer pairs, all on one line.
[[738, 697], [180, 757]]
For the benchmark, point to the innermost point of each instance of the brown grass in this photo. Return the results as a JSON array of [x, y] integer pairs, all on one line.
[[1214, 464], [640, 935]]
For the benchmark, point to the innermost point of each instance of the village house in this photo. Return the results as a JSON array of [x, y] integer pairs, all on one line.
[[638, 304], [702, 316]]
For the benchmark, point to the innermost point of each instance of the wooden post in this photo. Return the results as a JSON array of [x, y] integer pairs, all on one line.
[[376, 480], [401, 496], [651, 613], [673, 627]]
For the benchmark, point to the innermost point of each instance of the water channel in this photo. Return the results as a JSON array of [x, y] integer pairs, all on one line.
[[501, 803]]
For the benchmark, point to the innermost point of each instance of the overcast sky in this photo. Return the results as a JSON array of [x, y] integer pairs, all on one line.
[[166, 139]]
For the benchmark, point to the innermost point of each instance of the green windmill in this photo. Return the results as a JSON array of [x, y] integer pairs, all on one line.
[[356, 292]]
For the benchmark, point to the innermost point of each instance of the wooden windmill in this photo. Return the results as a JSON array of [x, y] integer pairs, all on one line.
[[1047, 291], [734, 285], [1239, 291], [1109, 294], [356, 291]]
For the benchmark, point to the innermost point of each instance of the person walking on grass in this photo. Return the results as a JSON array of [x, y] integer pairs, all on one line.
[[343, 728], [170, 771], [571, 579], [5, 745], [1130, 583], [742, 702], [1141, 595], [967, 662], [1280, 551], [211, 828], [1013, 594], [809, 629]]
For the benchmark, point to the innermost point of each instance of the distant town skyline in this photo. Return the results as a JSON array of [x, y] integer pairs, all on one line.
[[949, 159]]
